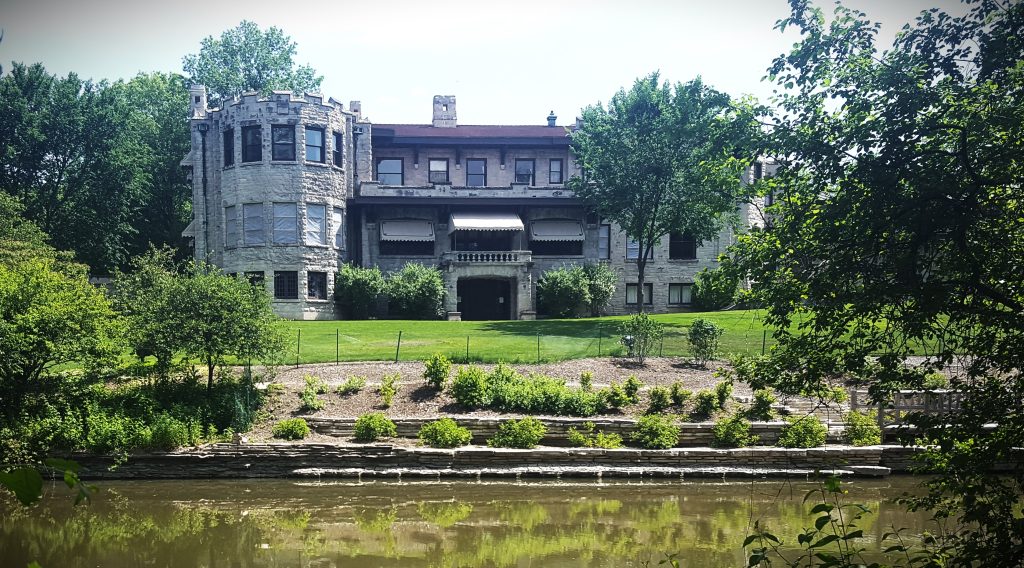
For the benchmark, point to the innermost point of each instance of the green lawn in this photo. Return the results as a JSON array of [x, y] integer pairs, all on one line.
[[510, 341]]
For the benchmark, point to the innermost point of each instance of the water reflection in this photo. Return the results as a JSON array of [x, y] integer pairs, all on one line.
[[272, 523]]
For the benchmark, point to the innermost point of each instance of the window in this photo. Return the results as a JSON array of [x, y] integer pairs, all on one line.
[[389, 171], [338, 226], [524, 171], [255, 278], [252, 224], [316, 284], [557, 248], [604, 242], [476, 172], [682, 246], [633, 250], [282, 142], [679, 294], [316, 224], [438, 170], [407, 248], [230, 226], [286, 225], [229, 147], [286, 285], [632, 289], [555, 171], [314, 144], [339, 152], [252, 144]]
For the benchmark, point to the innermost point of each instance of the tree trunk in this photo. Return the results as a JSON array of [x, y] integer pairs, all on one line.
[[209, 375], [641, 266]]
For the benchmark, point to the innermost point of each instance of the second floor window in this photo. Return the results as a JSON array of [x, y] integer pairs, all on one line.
[[230, 226], [285, 224], [476, 172], [682, 246], [316, 224], [314, 144], [389, 171], [524, 171], [604, 242], [338, 226], [438, 170], [283, 137], [252, 144], [555, 171], [229, 147], [338, 152], [633, 250]]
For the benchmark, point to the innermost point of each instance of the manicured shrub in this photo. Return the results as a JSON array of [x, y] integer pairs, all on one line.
[[371, 426], [803, 432], [861, 429], [703, 337], [356, 291], [524, 433], [586, 380], [601, 285], [644, 332], [585, 437], [655, 431], [714, 289], [632, 389], [291, 429], [352, 385], [723, 392], [616, 396], [680, 396], [469, 388], [444, 433], [583, 402], [733, 432], [436, 371], [416, 292], [311, 401], [761, 408], [705, 404], [935, 380], [661, 398], [563, 292], [389, 387]]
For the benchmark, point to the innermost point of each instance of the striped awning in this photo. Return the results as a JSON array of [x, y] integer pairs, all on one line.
[[485, 222], [190, 230], [556, 230], [417, 230]]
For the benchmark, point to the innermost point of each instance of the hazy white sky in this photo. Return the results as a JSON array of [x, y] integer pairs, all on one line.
[[507, 62]]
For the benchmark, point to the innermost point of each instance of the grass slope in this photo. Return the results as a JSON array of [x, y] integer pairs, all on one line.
[[509, 341]]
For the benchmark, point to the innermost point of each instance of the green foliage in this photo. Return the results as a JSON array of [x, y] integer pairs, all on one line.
[[444, 433], [733, 432], [389, 387], [20, 239], [723, 392], [371, 426], [661, 398], [311, 401], [803, 432], [585, 437], [616, 396], [444, 514], [935, 380], [169, 432], [703, 336], [586, 380], [436, 371], [469, 388], [509, 391], [761, 408], [632, 388], [356, 291], [715, 289], [563, 292], [524, 433], [246, 58], [705, 404], [601, 280], [680, 396], [352, 385], [114, 433], [655, 431], [291, 429], [860, 429], [416, 292], [645, 333]]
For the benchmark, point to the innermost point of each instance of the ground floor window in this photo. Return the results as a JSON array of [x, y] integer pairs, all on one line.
[[557, 248], [255, 278], [286, 285], [404, 248], [317, 285], [679, 294], [631, 293]]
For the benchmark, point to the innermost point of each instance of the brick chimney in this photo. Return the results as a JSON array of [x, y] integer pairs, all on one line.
[[444, 111], [552, 118]]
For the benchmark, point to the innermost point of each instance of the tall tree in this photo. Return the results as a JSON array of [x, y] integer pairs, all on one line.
[[663, 159], [899, 229], [246, 58]]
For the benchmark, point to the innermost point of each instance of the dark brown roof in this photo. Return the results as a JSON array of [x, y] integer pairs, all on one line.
[[470, 131]]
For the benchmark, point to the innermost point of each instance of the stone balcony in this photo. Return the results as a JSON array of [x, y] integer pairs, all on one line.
[[486, 257], [515, 190]]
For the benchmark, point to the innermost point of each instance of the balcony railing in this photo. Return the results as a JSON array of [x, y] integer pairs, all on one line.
[[489, 256]]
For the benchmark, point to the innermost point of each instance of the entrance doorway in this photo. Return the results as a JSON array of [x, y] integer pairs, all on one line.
[[485, 298]]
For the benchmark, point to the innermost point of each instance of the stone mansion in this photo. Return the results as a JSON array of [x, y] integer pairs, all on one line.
[[286, 189]]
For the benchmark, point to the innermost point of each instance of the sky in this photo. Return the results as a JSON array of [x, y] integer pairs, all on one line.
[[506, 62]]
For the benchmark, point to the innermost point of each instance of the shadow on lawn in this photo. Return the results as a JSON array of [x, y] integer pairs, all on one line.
[[583, 328]]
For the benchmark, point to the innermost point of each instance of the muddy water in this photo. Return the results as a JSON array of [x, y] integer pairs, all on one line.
[[277, 523]]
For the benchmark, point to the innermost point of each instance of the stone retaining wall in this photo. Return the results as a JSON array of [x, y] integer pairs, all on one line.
[[690, 434]]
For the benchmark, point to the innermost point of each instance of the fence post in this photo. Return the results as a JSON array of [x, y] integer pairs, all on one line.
[[538, 349], [298, 347], [600, 334], [764, 340], [467, 349], [661, 348], [337, 346], [399, 346]]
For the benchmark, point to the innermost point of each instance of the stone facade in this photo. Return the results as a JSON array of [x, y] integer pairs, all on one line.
[[362, 176]]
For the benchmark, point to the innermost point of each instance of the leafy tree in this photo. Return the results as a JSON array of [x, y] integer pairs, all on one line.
[[899, 229], [601, 285], [356, 290], [416, 292], [246, 58], [142, 296], [20, 239], [663, 159], [715, 289], [562, 292]]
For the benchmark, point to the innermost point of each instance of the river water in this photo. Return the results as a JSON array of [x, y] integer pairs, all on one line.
[[278, 523]]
